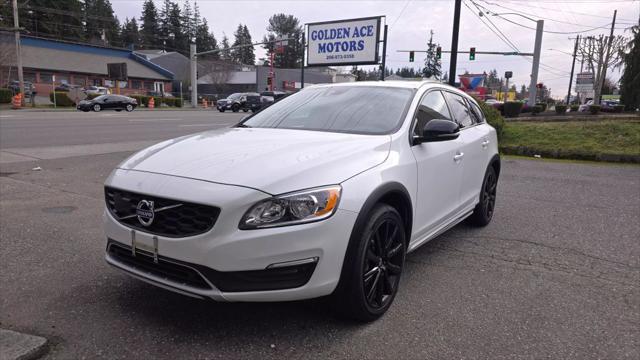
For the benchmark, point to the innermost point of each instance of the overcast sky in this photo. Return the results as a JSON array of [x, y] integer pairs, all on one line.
[[410, 22]]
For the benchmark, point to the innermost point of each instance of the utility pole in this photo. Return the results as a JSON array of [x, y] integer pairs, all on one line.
[[573, 65], [16, 26], [194, 76], [454, 43], [603, 73], [384, 53], [536, 62]]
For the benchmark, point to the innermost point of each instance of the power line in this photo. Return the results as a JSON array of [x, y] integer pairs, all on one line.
[[546, 8], [554, 32], [400, 14]]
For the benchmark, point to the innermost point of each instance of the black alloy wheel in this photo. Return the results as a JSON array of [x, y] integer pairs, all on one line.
[[483, 212], [372, 266], [383, 263], [129, 108], [235, 108], [97, 107]]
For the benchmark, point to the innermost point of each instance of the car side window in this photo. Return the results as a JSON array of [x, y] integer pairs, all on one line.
[[432, 106], [476, 112], [459, 109]]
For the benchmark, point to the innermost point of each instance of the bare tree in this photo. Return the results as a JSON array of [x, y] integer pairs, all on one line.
[[7, 58], [594, 51]]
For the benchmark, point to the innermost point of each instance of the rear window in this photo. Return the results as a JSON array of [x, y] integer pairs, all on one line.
[[349, 109]]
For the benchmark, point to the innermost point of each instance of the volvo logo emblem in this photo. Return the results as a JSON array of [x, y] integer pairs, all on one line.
[[145, 212]]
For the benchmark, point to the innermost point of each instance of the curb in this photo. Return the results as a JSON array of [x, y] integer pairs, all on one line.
[[75, 110], [19, 346], [569, 155], [567, 118]]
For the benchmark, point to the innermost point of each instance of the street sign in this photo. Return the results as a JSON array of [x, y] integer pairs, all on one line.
[[584, 82], [508, 74], [117, 71], [343, 42]]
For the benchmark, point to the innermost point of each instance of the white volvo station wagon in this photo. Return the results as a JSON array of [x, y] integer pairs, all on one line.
[[322, 193]]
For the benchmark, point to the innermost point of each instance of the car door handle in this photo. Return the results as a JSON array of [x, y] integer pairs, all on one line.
[[485, 144], [457, 157]]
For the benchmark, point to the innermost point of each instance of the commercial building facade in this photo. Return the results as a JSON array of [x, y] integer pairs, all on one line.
[[44, 60]]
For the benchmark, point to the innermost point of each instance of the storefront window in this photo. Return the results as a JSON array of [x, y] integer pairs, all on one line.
[[46, 78], [80, 80], [62, 79], [30, 76]]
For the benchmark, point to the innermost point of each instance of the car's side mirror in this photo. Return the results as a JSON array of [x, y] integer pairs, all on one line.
[[438, 130]]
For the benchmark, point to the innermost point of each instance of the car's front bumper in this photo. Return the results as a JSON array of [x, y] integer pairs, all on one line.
[[232, 260]]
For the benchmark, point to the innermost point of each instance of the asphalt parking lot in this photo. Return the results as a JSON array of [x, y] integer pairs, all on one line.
[[555, 275]]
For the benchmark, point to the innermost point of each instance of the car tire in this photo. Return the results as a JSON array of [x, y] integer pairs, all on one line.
[[129, 108], [97, 107], [221, 110], [118, 110], [85, 110], [483, 212], [372, 266], [245, 110], [235, 108]]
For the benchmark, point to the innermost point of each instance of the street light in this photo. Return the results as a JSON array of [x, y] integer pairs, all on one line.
[[536, 54]]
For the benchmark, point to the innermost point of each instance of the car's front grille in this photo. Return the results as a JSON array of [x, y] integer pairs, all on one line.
[[171, 218], [164, 268]]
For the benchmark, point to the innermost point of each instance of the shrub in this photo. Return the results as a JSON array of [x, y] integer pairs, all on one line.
[[536, 109], [512, 108], [561, 109], [168, 101], [178, 102], [62, 99], [575, 108], [543, 106], [493, 118], [618, 108], [594, 109], [92, 96], [5, 96]]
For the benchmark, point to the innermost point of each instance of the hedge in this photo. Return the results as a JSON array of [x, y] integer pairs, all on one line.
[[561, 109], [618, 108], [62, 98], [493, 118], [5, 96], [536, 109], [575, 108], [512, 108], [594, 109], [543, 106]]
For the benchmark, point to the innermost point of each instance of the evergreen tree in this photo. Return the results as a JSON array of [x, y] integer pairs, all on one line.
[[150, 26], [431, 63], [523, 92], [245, 54], [102, 26], [130, 33], [285, 26], [629, 89], [225, 54], [188, 23], [177, 39], [249, 56], [205, 40]]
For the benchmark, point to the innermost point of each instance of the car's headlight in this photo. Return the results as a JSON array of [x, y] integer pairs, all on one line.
[[292, 208]]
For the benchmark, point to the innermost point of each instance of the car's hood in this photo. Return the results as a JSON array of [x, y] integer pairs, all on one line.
[[272, 160]]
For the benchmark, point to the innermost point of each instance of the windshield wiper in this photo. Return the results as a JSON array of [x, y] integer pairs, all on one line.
[[243, 126]]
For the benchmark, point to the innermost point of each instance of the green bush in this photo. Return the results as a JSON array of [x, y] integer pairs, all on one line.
[[493, 118], [62, 98], [594, 109], [543, 106], [5, 96], [536, 109], [561, 109], [618, 108], [142, 100], [168, 101], [575, 108], [512, 109], [92, 96], [178, 102]]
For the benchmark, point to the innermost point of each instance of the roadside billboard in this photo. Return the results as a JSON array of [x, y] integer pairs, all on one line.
[[343, 42], [584, 82]]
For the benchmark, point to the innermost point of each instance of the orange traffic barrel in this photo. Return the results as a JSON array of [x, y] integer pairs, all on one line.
[[152, 103]]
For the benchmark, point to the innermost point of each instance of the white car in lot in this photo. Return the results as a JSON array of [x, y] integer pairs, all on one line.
[[322, 193]]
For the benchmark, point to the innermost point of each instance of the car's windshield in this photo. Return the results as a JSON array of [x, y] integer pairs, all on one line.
[[234, 96], [100, 98], [350, 109]]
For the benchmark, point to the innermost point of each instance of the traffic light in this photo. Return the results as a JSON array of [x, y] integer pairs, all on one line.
[[439, 53], [411, 56], [472, 53]]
